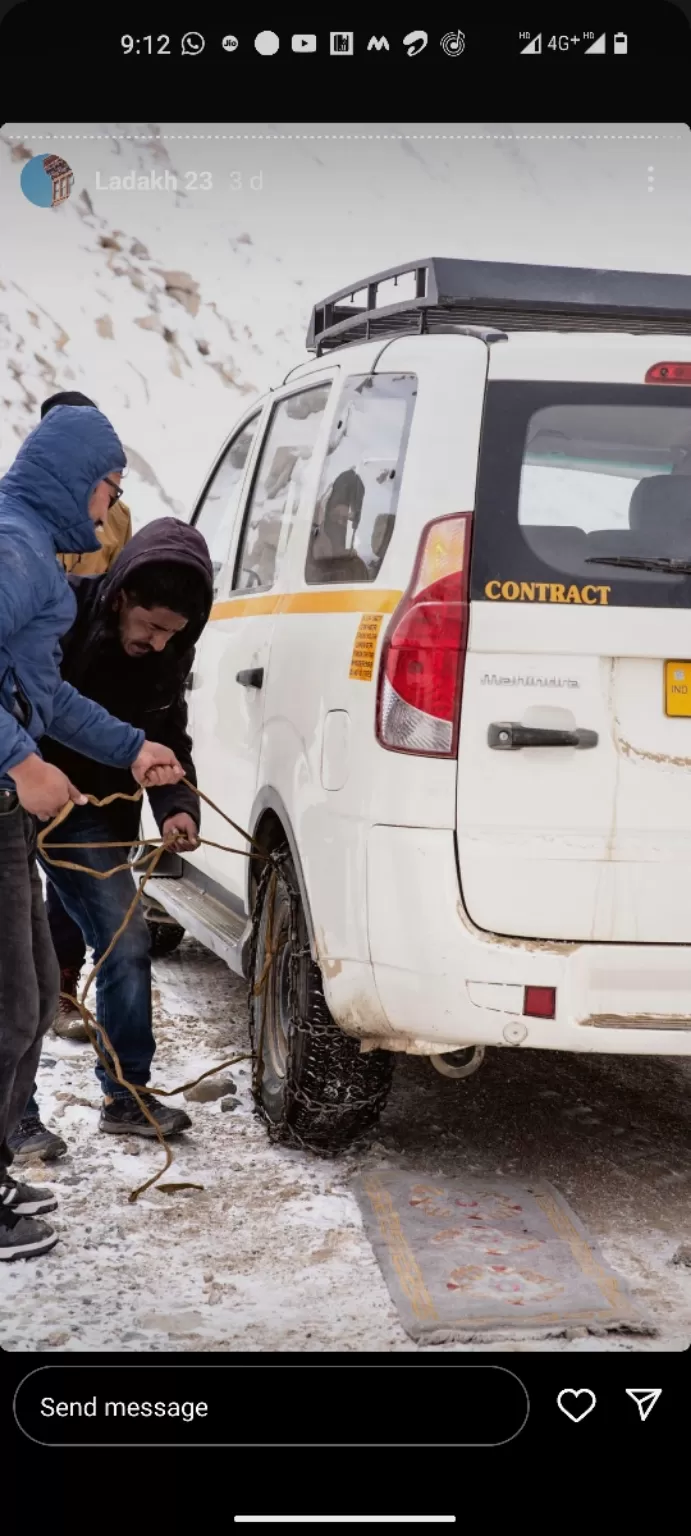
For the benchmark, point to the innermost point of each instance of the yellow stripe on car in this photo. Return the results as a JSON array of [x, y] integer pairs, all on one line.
[[344, 601]]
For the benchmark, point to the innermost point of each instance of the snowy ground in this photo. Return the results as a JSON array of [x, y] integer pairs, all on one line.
[[272, 1255]]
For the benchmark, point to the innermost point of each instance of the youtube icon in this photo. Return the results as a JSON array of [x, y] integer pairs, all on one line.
[[304, 42]]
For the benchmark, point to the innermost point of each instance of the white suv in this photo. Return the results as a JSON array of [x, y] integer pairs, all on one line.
[[482, 801]]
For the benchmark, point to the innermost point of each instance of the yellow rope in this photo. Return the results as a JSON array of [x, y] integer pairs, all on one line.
[[148, 862]]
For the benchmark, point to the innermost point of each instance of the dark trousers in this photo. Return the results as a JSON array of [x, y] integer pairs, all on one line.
[[97, 907], [29, 978]]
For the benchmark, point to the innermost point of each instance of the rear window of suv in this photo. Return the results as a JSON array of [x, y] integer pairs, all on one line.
[[584, 494]]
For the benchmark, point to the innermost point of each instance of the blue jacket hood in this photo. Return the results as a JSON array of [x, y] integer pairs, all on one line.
[[58, 466]]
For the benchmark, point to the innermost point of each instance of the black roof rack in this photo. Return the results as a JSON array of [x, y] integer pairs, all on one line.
[[443, 291]]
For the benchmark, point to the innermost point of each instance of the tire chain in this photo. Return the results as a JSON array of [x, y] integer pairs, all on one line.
[[319, 1026]]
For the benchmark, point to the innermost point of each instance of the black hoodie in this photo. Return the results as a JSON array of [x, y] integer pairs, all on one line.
[[146, 691]]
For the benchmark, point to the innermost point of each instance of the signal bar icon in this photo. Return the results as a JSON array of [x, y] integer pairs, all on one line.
[[535, 44], [599, 46]]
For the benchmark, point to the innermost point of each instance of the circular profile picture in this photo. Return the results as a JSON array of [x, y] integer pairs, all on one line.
[[47, 181]]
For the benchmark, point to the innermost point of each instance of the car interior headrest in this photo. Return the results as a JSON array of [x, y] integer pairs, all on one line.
[[661, 505], [554, 544], [381, 533]]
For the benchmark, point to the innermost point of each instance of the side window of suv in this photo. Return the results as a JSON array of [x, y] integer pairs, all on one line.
[[361, 479], [288, 447], [215, 515]]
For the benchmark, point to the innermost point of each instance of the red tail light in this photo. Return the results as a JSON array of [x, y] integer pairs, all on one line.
[[669, 373], [421, 673]]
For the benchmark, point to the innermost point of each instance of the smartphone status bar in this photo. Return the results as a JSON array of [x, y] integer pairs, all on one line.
[[454, 44]]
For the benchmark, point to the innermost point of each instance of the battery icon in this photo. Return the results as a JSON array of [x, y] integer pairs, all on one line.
[[620, 42]]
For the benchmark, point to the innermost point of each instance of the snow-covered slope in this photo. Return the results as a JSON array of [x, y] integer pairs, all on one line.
[[89, 304], [173, 308]]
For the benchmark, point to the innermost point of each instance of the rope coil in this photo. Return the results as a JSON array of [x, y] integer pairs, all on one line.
[[148, 862]]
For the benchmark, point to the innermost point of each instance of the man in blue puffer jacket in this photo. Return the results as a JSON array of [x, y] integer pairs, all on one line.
[[63, 480]]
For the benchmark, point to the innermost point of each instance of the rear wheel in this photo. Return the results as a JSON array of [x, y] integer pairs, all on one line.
[[164, 933], [312, 1084], [165, 937]]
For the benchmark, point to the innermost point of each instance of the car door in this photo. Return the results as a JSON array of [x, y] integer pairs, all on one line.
[[215, 516], [319, 752], [574, 810], [233, 657]]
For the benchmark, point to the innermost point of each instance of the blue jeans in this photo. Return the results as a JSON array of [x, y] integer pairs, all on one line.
[[68, 940], [123, 985]]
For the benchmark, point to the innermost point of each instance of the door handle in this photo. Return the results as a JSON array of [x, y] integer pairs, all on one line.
[[252, 678], [508, 736]]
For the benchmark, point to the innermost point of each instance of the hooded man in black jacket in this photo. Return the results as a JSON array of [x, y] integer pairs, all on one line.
[[130, 649]]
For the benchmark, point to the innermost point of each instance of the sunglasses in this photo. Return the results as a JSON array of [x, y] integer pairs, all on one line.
[[115, 490]]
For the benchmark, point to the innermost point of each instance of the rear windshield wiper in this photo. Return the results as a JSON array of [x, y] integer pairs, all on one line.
[[644, 563]]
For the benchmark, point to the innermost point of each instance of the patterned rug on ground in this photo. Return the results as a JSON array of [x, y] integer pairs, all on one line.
[[468, 1256]]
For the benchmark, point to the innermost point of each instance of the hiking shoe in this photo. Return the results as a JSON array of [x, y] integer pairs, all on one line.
[[33, 1139], [24, 1199], [68, 1023], [123, 1117], [23, 1238]]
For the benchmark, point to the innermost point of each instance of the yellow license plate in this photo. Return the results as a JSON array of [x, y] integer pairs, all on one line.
[[678, 688]]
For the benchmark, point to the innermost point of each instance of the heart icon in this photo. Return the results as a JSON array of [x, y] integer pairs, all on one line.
[[577, 1411]]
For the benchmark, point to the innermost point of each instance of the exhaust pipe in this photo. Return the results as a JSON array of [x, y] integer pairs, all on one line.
[[461, 1063]]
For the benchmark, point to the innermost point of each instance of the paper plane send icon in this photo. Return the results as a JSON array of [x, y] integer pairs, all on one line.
[[645, 1399]]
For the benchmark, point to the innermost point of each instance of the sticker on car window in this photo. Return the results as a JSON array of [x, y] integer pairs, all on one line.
[[546, 592], [365, 647]]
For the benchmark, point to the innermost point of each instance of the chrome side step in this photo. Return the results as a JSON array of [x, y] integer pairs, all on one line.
[[208, 920]]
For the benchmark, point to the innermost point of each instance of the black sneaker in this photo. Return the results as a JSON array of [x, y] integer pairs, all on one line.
[[23, 1238], [24, 1199], [123, 1117], [33, 1139]]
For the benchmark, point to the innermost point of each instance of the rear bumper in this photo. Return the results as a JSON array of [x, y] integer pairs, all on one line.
[[441, 980]]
